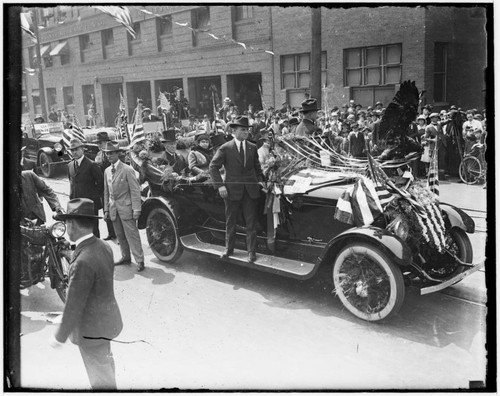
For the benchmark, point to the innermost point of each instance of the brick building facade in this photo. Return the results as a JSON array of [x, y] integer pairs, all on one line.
[[366, 51]]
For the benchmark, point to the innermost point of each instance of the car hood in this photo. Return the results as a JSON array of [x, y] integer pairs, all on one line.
[[318, 183], [49, 137]]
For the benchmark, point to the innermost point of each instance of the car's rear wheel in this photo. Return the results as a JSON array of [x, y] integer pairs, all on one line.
[[46, 165], [163, 235], [369, 285]]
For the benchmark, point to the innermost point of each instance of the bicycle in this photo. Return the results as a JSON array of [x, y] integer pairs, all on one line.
[[473, 166]]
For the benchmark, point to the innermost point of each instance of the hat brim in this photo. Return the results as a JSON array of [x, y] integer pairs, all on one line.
[[64, 216], [306, 110], [232, 125]]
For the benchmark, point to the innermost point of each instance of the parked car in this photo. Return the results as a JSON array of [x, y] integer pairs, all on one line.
[[369, 266], [45, 150]]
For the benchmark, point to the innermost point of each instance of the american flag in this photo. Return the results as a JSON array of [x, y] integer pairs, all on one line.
[[380, 179], [27, 24], [138, 130], [73, 132], [433, 176], [164, 103], [121, 14], [123, 119]]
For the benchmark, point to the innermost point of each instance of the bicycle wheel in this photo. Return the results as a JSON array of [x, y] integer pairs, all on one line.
[[470, 170]]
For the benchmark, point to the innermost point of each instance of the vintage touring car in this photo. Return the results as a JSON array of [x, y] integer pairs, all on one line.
[[370, 265]]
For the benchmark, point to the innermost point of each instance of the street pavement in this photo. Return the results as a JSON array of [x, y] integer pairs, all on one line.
[[203, 324]]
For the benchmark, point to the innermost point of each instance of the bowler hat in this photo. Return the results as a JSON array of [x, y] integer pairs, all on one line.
[[102, 137], [309, 105], [79, 208], [111, 147], [240, 121], [218, 140], [168, 135], [75, 143]]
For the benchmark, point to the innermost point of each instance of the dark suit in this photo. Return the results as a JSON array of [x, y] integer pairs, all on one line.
[[91, 316], [87, 182], [242, 178], [102, 160], [33, 187], [357, 144]]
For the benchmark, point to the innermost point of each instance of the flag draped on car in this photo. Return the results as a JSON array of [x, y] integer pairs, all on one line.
[[138, 129], [433, 176], [123, 119]]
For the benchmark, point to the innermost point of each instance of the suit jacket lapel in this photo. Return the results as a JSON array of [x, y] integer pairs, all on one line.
[[236, 151]]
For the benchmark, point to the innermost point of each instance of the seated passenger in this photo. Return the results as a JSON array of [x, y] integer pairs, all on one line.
[[170, 156], [140, 161], [200, 156]]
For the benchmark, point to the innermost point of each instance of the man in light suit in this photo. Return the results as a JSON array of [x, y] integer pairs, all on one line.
[[85, 179], [91, 317], [122, 204], [241, 188]]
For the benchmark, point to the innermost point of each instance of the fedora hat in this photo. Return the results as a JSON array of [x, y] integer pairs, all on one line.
[[240, 121], [79, 208], [75, 143], [111, 147], [168, 135], [102, 137], [218, 140], [309, 105]]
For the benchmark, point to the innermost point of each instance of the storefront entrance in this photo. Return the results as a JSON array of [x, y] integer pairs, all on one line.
[[111, 102], [243, 89], [204, 94]]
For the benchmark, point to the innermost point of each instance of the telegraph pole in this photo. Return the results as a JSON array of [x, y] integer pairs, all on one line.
[[41, 87], [316, 54]]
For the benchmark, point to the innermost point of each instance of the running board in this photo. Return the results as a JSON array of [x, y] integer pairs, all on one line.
[[277, 265]]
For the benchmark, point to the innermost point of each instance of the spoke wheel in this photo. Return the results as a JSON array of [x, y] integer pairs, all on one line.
[[163, 236], [369, 285], [45, 163], [470, 170]]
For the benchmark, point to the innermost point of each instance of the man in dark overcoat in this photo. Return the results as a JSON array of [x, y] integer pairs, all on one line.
[[91, 317], [307, 126], [85, 179], [241, 188]]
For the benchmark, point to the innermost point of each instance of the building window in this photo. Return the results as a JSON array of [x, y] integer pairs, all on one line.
[[372, 66], [51, 97], [137, 29], [69, 99], [201, 18], [243, 12], [108, 37], [296, 71], [440, 66], [84, 42], [164, 25]]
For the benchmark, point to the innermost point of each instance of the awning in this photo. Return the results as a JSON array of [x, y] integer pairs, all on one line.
[[60, 49], [43, 51]]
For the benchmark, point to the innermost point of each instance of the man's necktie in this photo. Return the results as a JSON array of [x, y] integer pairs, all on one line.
[[113, 170], [76, 166], [242, 154]]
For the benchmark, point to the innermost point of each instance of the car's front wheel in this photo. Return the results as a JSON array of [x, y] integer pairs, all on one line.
[[45, 164], [369, 285], [162, 234]]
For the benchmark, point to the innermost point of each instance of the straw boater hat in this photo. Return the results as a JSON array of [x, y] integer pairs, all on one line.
[[434, 115], [79, 208]]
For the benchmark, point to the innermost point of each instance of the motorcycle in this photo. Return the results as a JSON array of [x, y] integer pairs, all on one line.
[[45, 253]]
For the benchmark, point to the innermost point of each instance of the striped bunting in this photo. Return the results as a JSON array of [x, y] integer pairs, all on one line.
[[73, 132], [380, 181], [433, 176], [138, 130], [359, 204], [121, 14]]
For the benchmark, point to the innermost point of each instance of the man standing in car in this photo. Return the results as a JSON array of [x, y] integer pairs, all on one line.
[[241, 188]]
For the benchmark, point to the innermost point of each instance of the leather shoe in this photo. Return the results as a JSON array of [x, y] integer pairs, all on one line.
[[123, 261], [109, 238], [140, 266], [252, 257], [227, 253]]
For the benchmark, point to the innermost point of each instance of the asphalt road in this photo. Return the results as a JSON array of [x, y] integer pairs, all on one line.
[[204, 324]]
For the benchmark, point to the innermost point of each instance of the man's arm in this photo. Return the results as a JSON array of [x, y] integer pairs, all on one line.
[[135, 191], [98, 177], [215, 165], [45, 191]]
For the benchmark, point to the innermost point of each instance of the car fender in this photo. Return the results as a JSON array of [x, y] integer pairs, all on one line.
[[391, 244], [458, 218], [155, 202]]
